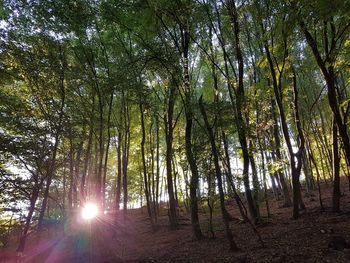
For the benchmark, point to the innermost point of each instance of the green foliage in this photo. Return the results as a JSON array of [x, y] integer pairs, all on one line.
[[80, 69]]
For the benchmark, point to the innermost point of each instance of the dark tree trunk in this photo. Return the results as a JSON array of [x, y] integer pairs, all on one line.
[[87, 159], [152, 174], [107, 151], [240, 106], [230, 179], [225, 214], [256, 185], [276, 134], [330, 77], [169, 155], [77, 173], [295, 158], [317, 174], [185, 42], [119, 170], [144, 168], [125, 154], [23, 238], [58, 129], [265, 186], [99, 174], [71, 173], [194, 179], [210, 200], [336, 170], [158, 167]]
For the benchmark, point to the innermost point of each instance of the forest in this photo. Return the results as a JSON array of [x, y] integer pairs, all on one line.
[[219, 129]]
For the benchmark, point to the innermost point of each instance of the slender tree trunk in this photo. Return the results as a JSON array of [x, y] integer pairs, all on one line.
[[125, 155], [87, 154], [230, 179], [169, 154], [336, 170], [24, 234], [318, 176], [71, 173], [240, 106], [256, 184], [265, 185], [194, 179], [185, 44], [158, 167], [276, 134], [144, 168], [77, 173], [295, 158], [152, 173], [86, 166], [107, 151], [119, 169], [210, 201], [330, 77], [225, 214], [99, 174], [58, 129], [64, 186]]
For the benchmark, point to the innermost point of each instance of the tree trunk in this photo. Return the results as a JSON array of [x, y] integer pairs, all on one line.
[[336, 169], [58, 129], [225, 214], [144, 168], [107, 151], [256, 184], [276, 134], [24, 233], [264, 181], [330, 77], [295, 158], [125, 154], [99, 175], [240, 107], [71, 173], [169, 155], [230, 179], [158, 168], [77, 173], [317, 174], [119, 170]]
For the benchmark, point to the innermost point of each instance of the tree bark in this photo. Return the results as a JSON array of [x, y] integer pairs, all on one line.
[[119, 170], [125, 152], [58, 129], [295, 158], [330, 77], [144, 168], [225, 214], [276, 134], [188, 139], [239, 111], [336, 170], [168, 122], [23, 238], [107, 150]]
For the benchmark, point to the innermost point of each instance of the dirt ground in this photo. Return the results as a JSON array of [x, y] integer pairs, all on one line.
[[113, 238]]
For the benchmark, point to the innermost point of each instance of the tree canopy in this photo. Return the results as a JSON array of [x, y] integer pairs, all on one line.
[[152, 103]]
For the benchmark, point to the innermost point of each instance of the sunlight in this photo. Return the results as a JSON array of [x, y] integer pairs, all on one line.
[[89, 211]]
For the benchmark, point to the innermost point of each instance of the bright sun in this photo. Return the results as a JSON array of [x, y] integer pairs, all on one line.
[[89, 211]]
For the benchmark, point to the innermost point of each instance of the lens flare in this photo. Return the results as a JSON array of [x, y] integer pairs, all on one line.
[[89, 211]]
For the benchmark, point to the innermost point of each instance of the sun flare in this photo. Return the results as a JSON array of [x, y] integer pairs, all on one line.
[[89, 211]]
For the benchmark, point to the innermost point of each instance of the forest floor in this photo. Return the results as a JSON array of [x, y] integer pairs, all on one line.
[[130, 239]]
